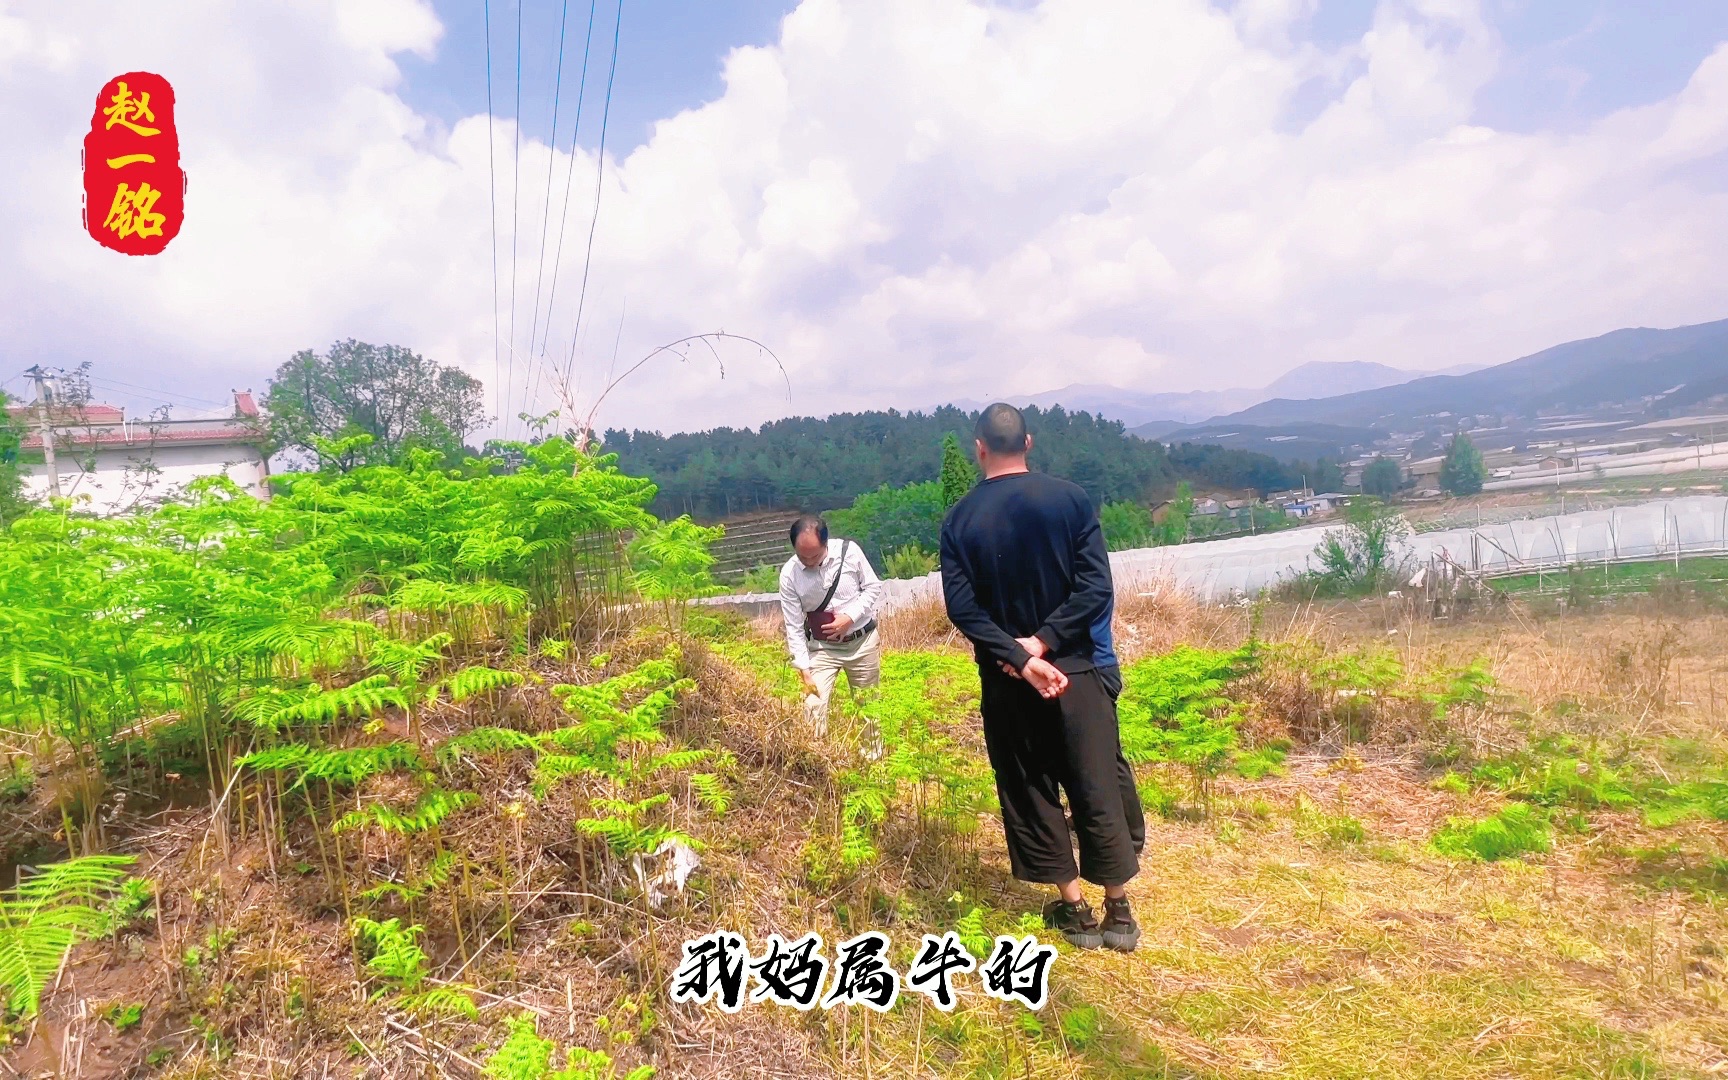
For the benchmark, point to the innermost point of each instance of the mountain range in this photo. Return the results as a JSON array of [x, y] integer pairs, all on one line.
[[1672, 368], [1632, 372], [1145, 409]]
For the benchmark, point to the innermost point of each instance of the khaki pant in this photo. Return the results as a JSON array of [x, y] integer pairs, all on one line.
[[861, 660]]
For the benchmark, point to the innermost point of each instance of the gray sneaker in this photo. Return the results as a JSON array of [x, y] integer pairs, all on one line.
[[1076, 922], [1121, 932]]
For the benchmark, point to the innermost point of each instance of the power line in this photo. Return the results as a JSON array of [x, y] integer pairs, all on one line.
[[492, 182], [515, 199], [122, 387], [564, 211], [546, 210], [599, 175]]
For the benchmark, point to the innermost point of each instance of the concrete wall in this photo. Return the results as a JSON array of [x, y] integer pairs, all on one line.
[[121, 481], [1222, 570]]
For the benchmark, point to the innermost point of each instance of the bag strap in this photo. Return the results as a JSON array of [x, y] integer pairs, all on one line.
[[838, 574]]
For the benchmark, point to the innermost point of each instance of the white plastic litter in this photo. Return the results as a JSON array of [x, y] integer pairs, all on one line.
[[675, 861]]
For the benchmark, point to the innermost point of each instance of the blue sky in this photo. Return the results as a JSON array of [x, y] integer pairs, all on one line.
[[669, 58], [1567, 62], [908, 201]]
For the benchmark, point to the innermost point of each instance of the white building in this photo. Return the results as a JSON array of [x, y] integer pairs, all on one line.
[[110, 464]]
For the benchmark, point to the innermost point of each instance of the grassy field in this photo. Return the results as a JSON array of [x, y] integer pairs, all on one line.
[[1327, 922], [1485, 848]]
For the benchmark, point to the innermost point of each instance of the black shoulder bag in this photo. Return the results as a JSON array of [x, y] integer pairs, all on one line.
[[814, 621]]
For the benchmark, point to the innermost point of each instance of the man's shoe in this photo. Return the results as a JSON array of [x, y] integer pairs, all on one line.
[[1076, 922], [1120, 931]]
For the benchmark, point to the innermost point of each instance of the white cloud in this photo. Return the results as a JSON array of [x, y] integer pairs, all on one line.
[[905, 199]]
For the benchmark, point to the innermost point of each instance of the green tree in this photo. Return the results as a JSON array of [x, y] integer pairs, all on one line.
[[1174, 528], [823, 465], [958, 472], [1327, 476], [889, 519], [12, 502], [1366, 555], [1462, 472], [1126, 525], [1382, 477], [400, 398]]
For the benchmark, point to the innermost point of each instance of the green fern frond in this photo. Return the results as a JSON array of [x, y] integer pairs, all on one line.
[[431, 811], [407, 663], [552, 768], [679, 760], [46, 915], [422, 596], [972, 934], [711, 791], [486, 742], [344, 768], [395, 951], [524, 1055], [443, 1001], [472, 682], [436, 876]]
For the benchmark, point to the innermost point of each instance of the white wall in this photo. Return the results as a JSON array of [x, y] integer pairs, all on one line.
[[1219, 570], [121, 483]]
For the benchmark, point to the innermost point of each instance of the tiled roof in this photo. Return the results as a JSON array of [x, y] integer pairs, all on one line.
[[89, 414], [143, 436]]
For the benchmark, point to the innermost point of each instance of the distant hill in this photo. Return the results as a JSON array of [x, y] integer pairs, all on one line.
[[1320, 379], [1137, 408], [1675, 368]]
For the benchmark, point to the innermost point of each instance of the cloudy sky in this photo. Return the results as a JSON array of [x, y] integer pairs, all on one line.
[[906, 201]]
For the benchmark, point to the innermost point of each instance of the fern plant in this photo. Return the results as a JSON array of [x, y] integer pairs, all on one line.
[[1175, 708], [524, 1055], [395, 959], [274, 709], [624, 831], [435, 876], [48, 913], [711, 792], [336, 767], [429, 812]]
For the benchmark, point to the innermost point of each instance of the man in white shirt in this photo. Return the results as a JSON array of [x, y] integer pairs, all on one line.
[[828, 599]]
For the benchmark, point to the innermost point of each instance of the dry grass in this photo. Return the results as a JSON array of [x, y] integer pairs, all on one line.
[[1278, 940], [1274, 948]]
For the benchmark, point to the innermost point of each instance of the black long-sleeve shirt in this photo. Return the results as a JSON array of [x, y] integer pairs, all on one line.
[[1023, 556]]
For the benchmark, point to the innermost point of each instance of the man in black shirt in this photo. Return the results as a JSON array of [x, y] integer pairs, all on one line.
[[1026, 578]]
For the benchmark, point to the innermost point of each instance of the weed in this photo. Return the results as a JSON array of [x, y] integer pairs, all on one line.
[[1452, 782], [524, 1055], [1517, 830], [1333, 830], [124, 1017]]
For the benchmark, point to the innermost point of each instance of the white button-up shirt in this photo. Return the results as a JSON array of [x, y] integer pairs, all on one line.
[[801, 589]]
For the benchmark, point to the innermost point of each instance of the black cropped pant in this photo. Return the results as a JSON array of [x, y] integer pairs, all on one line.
[[1041, 750]]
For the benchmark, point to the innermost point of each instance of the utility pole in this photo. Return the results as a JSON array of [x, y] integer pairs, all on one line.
[[44, 400]]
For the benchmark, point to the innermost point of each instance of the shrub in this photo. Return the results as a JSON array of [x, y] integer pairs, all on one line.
[[1126, 525], [910, 561], [1365, 556], [761, 579], [1174, 709]]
